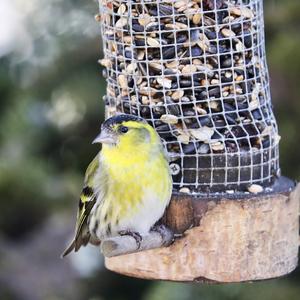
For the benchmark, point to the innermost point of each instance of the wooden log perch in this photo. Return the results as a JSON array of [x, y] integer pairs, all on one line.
[[230, 238], [128, 244]]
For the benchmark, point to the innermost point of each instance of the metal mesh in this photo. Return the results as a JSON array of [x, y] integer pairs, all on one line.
[[196, 70]]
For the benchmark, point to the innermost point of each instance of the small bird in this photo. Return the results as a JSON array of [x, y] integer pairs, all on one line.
[[127, 186]]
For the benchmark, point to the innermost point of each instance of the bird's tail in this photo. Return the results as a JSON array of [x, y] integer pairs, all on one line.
[[69, 249], [80, 241]]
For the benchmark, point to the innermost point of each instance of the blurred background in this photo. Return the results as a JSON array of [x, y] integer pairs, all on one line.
[[50, 110]]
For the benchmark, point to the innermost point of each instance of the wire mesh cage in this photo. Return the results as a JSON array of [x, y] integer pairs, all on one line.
[[196, 70]]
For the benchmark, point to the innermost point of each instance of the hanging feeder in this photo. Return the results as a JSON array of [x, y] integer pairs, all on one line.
[[196, 71]]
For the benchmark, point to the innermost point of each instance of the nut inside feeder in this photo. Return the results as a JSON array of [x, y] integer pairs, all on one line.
[[196, 70]]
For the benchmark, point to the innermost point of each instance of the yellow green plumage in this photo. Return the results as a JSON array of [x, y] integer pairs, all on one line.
[[129, 179]]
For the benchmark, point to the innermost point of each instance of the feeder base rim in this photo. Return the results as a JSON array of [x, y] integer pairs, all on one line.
[[282, 185]]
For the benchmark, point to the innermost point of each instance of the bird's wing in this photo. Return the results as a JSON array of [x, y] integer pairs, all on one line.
[[86, 202]]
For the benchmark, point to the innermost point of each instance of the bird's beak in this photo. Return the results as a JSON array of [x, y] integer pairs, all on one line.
[[104, 138]]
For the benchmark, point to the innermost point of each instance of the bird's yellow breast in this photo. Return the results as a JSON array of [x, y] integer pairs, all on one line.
[[133, 171]]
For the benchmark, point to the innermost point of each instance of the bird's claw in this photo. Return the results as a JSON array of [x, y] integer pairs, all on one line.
[[166, 234], [138, 238]]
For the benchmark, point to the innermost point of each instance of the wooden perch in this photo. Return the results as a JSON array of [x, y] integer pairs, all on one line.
[[126, 244], [230, 238]]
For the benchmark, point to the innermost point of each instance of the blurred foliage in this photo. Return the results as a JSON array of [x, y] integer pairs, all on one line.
[[48, 119], [275, 290], [50, 110], [283, 44]]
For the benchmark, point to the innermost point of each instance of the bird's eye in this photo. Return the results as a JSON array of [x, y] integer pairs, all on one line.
[[123, 129]]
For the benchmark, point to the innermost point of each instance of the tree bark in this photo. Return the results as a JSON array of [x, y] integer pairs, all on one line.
[[226, 239]]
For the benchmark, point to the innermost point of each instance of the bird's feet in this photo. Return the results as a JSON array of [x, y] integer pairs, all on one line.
[[167, 234], [138, 238]]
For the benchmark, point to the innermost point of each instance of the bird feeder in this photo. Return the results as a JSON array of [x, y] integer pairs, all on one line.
[[196, 71]]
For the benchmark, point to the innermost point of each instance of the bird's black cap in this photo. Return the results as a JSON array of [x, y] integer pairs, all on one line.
[[119, 119]]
